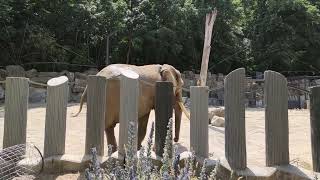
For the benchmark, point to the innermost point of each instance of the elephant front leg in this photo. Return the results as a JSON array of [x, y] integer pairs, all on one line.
[[111, 139], [142, 129]]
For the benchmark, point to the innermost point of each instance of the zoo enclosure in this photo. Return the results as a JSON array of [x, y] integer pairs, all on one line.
[[276, 116]]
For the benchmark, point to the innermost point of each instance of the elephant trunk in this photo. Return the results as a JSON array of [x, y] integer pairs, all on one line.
[[83, 96], [178, 109]]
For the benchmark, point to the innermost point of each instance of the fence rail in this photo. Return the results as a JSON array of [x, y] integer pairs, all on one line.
[[276, 116]]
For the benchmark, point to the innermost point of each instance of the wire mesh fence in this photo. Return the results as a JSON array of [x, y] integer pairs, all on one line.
[[20, 160]]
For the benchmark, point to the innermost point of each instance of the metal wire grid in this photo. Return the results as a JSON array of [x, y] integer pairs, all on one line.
[[20, 160]]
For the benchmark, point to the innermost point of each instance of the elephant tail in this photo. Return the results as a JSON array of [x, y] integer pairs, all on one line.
[[84, 94], [185, 111]]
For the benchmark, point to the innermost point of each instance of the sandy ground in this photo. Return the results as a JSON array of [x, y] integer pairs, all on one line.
[[299, 128]]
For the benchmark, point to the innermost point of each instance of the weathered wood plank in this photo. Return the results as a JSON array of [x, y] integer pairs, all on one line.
[[210, 19], [315, 126], [199, 120], [163, 112], [56, 114], [16, 107], [129, 97], [96, 107], [235, 132], [276, 119]]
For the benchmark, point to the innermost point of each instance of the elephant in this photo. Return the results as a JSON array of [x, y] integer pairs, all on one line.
[[148, 75]]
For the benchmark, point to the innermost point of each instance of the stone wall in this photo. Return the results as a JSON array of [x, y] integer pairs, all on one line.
[[77, 83], [254, 91], [37, 94]]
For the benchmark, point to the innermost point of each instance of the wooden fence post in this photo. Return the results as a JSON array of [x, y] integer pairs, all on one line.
[[56, 113], [163, 112], [96, 107], [315, 126], [235, 132], [199, 121], [16, 107], [129, 96], [276, 119]]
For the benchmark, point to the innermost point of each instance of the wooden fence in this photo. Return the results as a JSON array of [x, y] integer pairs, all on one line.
[[276, 116]]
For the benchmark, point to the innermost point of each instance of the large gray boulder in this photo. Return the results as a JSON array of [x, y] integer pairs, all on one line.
[[48, 74], [42, 80], [31, 73], [217, 121], [79, 85], [1, 92], [15, 71], [37, 95], [91, 71], [78, 75], [70, 75], [189, 75], [3, 74]]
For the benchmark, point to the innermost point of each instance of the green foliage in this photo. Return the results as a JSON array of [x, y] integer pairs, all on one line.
[[285, 35], [256, 34]]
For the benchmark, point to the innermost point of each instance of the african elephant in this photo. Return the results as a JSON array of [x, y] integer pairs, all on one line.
[[148, 75]]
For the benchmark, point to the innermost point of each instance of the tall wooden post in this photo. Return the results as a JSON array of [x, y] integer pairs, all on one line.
[[315, 127], [199, 121], [210, 19], [276, 119], [163, 112], [56, 113], [129, 96], [96, 107], [16, 107], [235, 132]]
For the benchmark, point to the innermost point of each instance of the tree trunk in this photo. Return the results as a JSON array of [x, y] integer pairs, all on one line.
[[210, 19], [129, 50], [107, 51]]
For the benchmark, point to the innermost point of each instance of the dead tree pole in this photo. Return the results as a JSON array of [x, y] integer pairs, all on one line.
[[210, 19]]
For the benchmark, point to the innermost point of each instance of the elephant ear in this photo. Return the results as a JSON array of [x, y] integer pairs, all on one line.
[[167, 75], [172, 75], [164, 68]]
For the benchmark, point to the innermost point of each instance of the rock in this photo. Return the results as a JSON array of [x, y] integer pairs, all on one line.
[[78, 75], [317, 81], [210, 116], [1, 92], [3, 74], [31, 73], [218, 112], [70, 75], [91, 71], [78, 89], [48, 74], [183, 76], [197, 76], [43, 80], [218, 121], [214, 77], [220, 77], [189, 74], [15, 71], [75, 97], [79, 85], [80, 82], [37, 95]]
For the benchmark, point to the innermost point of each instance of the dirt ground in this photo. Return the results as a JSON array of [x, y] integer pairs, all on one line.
[[299, 129]]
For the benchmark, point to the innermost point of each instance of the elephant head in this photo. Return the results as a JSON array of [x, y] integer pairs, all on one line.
[[169, 73]]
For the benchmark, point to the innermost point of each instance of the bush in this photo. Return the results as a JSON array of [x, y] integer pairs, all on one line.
[[141, 168]]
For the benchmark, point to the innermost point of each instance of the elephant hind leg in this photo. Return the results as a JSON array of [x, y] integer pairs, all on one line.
[[111, 139], [142, 128]]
